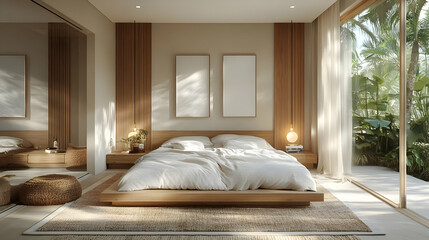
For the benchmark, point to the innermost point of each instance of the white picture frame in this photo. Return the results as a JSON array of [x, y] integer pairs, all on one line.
[[193, 86], [239, 85]]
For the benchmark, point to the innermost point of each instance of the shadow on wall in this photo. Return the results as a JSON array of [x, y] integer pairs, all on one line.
[[105, 129], [161, 101], [192, 94], [12, 93], [37, 94]]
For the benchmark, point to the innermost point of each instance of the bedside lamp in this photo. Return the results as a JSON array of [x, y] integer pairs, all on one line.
[[292, 137]]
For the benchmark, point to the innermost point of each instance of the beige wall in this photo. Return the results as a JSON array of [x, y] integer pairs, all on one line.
[[78, 89], [216, 40], [30, 39]]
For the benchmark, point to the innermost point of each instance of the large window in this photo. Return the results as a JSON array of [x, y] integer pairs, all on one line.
[[371, 60]]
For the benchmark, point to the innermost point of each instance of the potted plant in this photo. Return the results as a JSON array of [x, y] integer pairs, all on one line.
[[136, 140]]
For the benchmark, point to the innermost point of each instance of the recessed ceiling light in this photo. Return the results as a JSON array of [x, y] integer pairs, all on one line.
[[138, 6], [292, 6]]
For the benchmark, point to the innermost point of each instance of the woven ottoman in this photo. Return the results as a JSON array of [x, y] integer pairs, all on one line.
[[52, 189], [4, 191]]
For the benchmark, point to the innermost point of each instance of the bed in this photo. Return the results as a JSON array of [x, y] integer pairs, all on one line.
[[227, 170], [12, 145]]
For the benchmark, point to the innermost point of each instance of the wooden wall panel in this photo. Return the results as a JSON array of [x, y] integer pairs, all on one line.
[[128, 51], [143, 89], [124, 79], [59, 84], [299, 80], [282, 82]]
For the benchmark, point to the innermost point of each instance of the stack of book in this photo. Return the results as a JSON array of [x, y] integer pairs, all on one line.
[[294, 148], [51, 150]]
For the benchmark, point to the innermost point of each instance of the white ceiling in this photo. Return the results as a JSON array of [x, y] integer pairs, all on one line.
[[212, 11]]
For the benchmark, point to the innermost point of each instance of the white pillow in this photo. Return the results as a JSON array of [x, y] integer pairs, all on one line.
[[204, 140], [220, 140], [240, 144], [6, 141], [188, 145]]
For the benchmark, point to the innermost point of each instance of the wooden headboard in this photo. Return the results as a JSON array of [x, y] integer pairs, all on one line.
[[39, 138], [158, 137]]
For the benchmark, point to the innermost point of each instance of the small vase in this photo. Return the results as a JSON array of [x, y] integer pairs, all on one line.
[[141, 148], [134, 148]]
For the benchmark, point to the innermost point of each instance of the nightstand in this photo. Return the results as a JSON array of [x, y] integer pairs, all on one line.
[[38, 158], [306, 158], [121, 160]]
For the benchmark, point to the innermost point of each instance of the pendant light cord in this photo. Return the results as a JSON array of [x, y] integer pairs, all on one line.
[[134, 80], [291, 77]]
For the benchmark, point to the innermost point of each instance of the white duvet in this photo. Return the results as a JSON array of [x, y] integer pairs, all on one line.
[[217, 169]]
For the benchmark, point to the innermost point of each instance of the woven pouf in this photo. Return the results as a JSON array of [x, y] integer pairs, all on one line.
[[4, 191], [50, 189]]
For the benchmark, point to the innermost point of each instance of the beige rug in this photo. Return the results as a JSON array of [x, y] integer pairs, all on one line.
[[205, 238], [87, 214]]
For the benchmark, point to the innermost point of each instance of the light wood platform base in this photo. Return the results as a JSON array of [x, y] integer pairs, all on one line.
[[40, 159], [194, 198]]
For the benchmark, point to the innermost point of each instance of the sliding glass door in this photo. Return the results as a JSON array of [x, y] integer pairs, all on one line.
[[418, 106], [371, 60], [371, 40]]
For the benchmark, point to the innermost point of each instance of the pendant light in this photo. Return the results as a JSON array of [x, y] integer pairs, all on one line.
[[134, 132], [292, 136]]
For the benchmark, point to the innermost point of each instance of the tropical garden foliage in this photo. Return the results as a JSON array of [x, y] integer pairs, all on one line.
[[374, 35]]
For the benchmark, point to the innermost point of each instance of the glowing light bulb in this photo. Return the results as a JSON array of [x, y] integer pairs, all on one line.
[[292, 137]]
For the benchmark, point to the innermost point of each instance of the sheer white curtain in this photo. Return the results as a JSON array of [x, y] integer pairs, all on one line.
[[334, 124], [310, 105]]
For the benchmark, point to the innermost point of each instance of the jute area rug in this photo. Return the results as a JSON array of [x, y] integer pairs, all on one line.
[[87, 214], [205, 238]]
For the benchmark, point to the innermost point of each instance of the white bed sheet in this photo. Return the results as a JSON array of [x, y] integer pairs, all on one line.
[[167, 168], [5, 150], [217, 169], [263, 168]]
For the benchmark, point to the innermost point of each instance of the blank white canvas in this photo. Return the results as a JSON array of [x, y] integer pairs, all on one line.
[[239, 86], [193, 86], [12, 86]]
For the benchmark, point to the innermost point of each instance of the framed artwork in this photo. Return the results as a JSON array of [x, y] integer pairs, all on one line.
[[239, 85], [13, 86], [193, 86]]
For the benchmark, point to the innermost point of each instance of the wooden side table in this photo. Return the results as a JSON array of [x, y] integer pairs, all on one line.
[[306, 158], [38, 158], [121, 160]]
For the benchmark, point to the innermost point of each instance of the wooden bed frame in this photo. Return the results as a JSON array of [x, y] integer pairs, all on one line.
[[248, 198], [36, 137]]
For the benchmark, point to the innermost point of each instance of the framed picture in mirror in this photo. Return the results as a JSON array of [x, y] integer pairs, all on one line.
[[13, 86]]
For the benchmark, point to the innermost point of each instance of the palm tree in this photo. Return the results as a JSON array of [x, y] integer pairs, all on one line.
[[415, 35], [380, 23]]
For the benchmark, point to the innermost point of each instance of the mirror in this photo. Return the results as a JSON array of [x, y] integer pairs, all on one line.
[[239, 85], [192, 86], [12, 86]]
